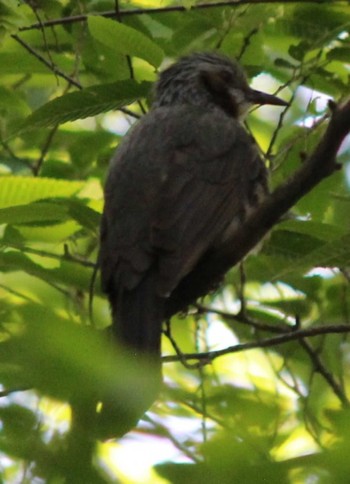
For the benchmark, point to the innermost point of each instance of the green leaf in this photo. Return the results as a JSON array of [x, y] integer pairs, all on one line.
[[298, 51], [20, 63], [49, 233], [336, 253], [125, 40], [86, 216], [49, 211], [12, 15], [88, 102], [68, 273], [228, 460], [303, 252], [280, 62], [17, 190], [340, 54], [33, 213], [322, 231], [67, 361], [12, 103]]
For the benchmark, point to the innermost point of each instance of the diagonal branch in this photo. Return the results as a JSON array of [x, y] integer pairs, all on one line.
[[293, 335], [320, 164], [52, 67], [320, 368]]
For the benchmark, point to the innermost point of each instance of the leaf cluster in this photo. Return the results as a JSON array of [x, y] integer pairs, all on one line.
[[73, 77]]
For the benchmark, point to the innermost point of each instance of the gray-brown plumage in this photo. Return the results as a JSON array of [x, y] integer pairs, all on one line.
[[182, 178]]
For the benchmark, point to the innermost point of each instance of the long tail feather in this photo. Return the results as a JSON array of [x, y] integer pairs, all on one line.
[[138, 316]]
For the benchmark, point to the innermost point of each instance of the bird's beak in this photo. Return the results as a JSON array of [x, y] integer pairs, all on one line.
[[258, 97]]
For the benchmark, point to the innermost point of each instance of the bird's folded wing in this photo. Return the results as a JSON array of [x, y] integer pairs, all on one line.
[[177, 183]]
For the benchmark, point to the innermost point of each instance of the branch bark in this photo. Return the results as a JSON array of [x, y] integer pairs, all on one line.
[[173, 8], [321, 164], [293, 335]]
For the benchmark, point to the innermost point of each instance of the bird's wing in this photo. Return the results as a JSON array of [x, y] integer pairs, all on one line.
[[180, 179]]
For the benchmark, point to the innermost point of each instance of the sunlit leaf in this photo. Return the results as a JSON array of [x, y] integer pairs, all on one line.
[[270, 414], [88, 102], [17, 190], [33, 213], [125, 40]]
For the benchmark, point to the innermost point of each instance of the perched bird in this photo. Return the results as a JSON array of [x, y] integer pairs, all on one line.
[[182, 179]]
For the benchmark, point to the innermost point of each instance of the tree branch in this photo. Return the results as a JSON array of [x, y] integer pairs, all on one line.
[[320, 368], [244, 318], [61, 74], [293, 335], [322, 163], [47, 63], [174, 8]]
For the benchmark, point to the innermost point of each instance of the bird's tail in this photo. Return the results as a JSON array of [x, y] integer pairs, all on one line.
[[137, 324], [137, 317]]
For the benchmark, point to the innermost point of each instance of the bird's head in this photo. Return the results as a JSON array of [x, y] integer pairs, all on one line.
[[209, 79]]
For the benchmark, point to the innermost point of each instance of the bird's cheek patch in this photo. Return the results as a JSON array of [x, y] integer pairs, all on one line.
[[213, 81]]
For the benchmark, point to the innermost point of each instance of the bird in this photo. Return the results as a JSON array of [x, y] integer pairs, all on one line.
[[181, 181]]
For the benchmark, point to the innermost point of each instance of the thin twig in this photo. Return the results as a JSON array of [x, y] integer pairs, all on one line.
[[53, 68], [160, 10], [209, 356], [180, 355], [51, 255], [163, 431], [128, 57], [242, 281], [246, 42], [47, 63], [244, 319], [202, 375], [42, 30], [324, 372], [37, 167]]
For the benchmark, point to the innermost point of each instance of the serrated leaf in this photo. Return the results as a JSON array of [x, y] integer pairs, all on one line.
[[88, 102], [33, 213], [16, 190], [125, 40], [49, 234], [322, 231], [86, 216], [49, 211], [335, 253], [291, 245], [69, 273]]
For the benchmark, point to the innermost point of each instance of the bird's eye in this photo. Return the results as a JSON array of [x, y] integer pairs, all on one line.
[[226, 76]]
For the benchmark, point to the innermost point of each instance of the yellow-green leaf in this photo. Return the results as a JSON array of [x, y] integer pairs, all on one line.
[[125, 40]]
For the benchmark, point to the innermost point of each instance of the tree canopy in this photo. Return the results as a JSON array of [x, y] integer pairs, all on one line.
[[256, 374]]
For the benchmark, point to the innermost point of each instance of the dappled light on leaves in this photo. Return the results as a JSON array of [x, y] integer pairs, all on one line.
[[257, 373]]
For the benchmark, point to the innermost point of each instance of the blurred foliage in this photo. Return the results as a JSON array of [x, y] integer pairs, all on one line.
[[280, 413]]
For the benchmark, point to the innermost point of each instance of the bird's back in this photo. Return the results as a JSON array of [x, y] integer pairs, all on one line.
[[178, 181]]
